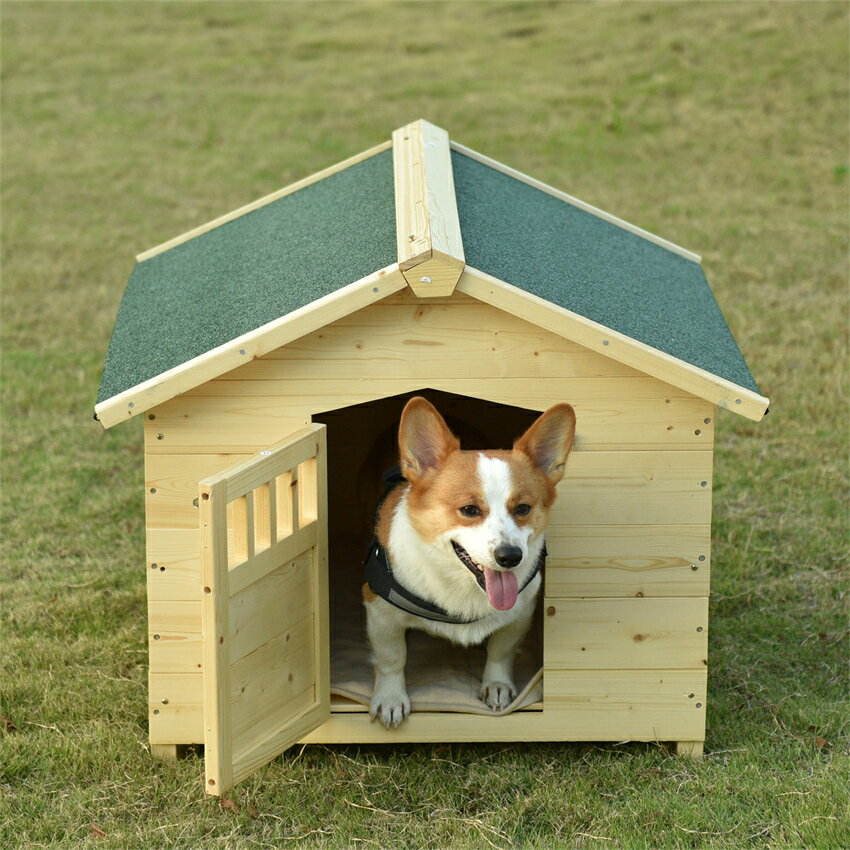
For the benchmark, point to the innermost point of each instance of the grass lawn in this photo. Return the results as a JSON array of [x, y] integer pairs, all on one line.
[[721, 126]]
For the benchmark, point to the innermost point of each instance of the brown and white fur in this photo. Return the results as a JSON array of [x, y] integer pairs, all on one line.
[[488, 507]]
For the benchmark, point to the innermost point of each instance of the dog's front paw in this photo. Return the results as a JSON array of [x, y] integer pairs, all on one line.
[[390, 706], [497, 695]]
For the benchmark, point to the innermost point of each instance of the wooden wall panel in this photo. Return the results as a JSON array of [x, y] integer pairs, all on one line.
[[620, 634], [635, 488], [612, 412], [632, 518], [628, 560], [176, 708]]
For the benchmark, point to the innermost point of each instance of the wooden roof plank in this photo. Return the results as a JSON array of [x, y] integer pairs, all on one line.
[[427, 223]]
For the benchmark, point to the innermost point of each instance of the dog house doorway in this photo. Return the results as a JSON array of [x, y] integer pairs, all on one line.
[[361, 446]]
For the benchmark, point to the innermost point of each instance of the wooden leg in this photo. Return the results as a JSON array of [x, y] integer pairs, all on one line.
[[689, 749], [165, 752]]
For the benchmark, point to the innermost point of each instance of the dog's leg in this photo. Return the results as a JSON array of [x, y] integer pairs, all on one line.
[[497, 683], [390, 702]]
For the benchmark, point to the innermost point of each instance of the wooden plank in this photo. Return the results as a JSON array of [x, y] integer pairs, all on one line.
[[563, 196], [261, 202], [579, 705], [269, 606], [215, 615], [635, 488], [171, 486], [176, 708], [625, 634], [628, 560], [279, 458], [241, 350], [477, 339], [173, 564], [426, 208], [279, 674], [600, 488], [689, 749], [648, 705], [429, 243], [174, 636], [283, 551], [613, 413], [597, 337], [321, 582]]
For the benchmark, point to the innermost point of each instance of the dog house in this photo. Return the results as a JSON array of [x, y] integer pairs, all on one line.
[[270, 353]]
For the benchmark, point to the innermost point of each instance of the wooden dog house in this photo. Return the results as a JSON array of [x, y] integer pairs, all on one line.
[[270, 352]]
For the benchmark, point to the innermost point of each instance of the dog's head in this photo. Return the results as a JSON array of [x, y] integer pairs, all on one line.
[[489, 508]]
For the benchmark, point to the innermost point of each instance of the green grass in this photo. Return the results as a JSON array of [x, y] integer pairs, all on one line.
[[723, 127]]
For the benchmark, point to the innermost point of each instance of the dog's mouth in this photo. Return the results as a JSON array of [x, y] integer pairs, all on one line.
[[499, 585]]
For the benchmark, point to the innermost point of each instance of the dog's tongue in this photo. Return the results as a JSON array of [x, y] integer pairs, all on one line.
[[501, 588]]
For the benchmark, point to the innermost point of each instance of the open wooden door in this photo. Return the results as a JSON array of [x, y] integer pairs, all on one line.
[[265, 606]]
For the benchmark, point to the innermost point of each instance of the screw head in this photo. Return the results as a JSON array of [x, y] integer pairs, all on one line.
[[425, 279]]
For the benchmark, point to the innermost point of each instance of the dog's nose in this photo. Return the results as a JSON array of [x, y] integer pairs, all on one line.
[[507, 556]]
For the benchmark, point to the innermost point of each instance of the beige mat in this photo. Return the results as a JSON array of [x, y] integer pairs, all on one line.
[[440, 676]]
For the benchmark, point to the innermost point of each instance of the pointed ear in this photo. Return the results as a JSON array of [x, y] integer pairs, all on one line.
[[424, 439], [549, 440]]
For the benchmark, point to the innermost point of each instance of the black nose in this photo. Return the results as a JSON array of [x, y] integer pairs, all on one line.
[[507, 556]]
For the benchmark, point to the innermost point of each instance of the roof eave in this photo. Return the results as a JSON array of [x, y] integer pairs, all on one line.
[[610, 343], [243, 349]]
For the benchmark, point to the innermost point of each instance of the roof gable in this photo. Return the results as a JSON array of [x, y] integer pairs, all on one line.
[[258, 278]]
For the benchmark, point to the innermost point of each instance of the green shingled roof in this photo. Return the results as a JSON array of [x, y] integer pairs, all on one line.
[[578, 261], [252, 270], [263, 265]]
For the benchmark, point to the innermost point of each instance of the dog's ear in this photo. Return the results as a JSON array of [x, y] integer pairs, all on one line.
[[549, 440], [424, 439]]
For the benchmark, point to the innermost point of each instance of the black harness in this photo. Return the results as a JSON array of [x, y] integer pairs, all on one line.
[[382, 580]]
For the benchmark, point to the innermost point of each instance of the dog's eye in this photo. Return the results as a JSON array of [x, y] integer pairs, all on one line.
[[522, 510], [470, 510]]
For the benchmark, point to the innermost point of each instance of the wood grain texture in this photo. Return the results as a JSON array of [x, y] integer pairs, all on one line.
[[264, 614], [621, 634], [428, 237]]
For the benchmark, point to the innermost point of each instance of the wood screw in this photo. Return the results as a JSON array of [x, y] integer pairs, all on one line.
[[160, 436], [699, 628], [550, 611], [165, 700], [694, 567], [425, 279]]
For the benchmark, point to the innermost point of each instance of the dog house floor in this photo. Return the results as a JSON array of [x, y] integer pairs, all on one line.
[[361, 446]]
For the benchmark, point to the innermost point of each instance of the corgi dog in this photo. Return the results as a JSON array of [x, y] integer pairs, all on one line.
[[459, 543]]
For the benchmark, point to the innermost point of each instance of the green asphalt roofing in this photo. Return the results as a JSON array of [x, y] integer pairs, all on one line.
[[578, 261], [233, 279]]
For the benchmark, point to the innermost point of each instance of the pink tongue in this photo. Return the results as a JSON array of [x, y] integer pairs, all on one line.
[[501, 588]]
